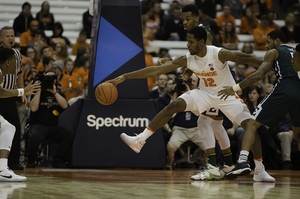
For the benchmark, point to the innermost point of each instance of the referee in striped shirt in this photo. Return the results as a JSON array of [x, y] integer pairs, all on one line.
[[8, 108]]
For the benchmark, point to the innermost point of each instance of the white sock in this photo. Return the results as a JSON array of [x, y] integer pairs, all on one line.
[[258, 163], [3, 163], [243, 156], [146, 133]]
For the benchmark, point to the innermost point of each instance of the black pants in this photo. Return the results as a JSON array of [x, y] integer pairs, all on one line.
[[38, 132], [8, 110]]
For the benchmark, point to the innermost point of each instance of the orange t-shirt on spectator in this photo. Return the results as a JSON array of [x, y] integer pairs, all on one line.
[[246, 27], [221, 21], [149, 63], [260, 37], [66, 83]]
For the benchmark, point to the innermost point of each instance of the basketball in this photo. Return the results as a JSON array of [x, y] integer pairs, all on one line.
[[106, 93]]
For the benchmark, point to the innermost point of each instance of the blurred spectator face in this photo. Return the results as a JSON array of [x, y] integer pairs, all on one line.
[[57, 31], [162, 81], [264, 22], [176, 14], [194, 82], [271, 15], [248, 12], [33, 28], [26, 66], [296, 60], [174, 4], [267, 90], [38, 37], [58, 48], [82, 37], [45, 6], [30, 53], [26, 10], [170, 86], [157, 8], [37, 47], [290, 18], [247, 48], [189, 21], [226, 10], [240, 70], [69, 66], [228, 26], [253, 96], [47, 52], [49, 66], [8, 38]]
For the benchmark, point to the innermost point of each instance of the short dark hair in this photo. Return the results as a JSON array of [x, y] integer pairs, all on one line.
[[42, 50], [58, 25], [199, 33], [5, 28], [6, 54], [42, 33], [26, 4], [277, 34], [83, 59], [191, 8], [298, 48], [46, 60]]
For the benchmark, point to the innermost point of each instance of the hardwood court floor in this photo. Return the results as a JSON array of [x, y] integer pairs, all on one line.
[[141, 183]]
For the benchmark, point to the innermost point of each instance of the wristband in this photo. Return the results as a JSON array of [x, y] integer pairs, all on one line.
[[55, 93], [236, 87], [20, 92]]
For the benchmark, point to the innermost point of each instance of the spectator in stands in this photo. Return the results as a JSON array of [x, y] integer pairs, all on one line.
[[230, 39], [173, 27], [272, 24], [285, 136], [87, 21], [61, 50], [26, 70], [248, 22], [291, 29], [247, 48], [81, 40], [236, 8], [46, 53], [58, 37], [147, 33], [267, 89], [183, 2], [41, 36], [161, 87], [207, 6], [240, 71], [30, 52], [216, 30], [45, 108], [173, 4], [184, 126], [150, 23], [149, 63], [259, 8], [66, 84], [45, 18], [82, 50], [159, 19], [164, 100], [83, 70], [204, 19], [28, 38], [260, 33], [46, 64], [22, 22], [69, 66], [225, 17], [38, 45], [82, 96]]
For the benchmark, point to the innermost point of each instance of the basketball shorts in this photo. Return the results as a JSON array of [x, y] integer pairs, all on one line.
[[200, 100], [283, 99]]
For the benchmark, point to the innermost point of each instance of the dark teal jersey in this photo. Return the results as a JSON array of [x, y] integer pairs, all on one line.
[[215, 41], [283, 65]]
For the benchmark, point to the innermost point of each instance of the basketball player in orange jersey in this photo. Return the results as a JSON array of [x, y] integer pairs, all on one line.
[[209, 63]]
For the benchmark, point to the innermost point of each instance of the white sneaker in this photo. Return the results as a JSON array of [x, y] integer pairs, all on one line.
[[226, 169], [260, 175], [7, 175], [208, 173], [134, 142]]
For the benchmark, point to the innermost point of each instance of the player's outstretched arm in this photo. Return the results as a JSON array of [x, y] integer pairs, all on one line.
[[29, 90], [266, 66], [151, 71], [239, 57]]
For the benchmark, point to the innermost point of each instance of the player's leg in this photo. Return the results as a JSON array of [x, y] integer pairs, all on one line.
[[6, 137], [137, 142]]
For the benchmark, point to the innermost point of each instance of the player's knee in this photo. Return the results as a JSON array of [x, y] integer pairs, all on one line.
[[176, 106], [172, 147]]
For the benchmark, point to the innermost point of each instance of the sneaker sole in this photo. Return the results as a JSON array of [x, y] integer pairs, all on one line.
[[232, 176]]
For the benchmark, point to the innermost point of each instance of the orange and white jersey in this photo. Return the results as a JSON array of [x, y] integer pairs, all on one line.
[[212, 72]]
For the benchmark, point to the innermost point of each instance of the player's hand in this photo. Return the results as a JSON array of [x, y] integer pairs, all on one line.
[[31, 89], [230, 131], [227, 91], [186, 73], [161, 61], [117, 80]]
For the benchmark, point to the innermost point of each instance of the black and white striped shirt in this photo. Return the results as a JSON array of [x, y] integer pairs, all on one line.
[[10, 81]]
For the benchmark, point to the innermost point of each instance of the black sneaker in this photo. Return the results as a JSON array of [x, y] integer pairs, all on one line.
[[240, 169]]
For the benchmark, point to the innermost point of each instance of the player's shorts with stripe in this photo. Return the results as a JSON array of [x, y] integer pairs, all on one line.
[[233, 107], [283, 99]]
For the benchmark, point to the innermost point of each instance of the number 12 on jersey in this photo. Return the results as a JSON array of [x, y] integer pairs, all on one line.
[[209, 82]]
